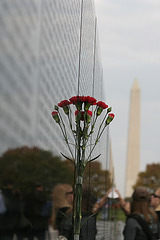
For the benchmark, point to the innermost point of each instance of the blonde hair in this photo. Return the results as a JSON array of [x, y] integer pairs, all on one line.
[[60, 200]]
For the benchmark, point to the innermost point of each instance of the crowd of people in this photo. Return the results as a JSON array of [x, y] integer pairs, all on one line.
[[63, 210], [24, 216], [31, 216]]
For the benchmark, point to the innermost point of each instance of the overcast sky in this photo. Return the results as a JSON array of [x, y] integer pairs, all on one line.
[[129, 36]]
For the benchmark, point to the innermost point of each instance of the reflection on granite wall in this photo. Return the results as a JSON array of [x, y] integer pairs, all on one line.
[[39, 50]]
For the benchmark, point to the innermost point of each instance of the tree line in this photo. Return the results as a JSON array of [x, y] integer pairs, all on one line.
[[26, 166]]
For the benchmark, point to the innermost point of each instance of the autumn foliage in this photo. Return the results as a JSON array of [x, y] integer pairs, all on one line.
[[150, 178]]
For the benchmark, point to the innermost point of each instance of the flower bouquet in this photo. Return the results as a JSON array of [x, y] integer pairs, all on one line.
[[82, 127]]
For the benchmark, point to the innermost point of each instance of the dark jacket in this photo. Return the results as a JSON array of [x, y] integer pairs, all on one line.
[[33, 209], [133, 231], [9, 221], [158, 214], [88, 229], [64, 223], [137, 228], [65, 227]]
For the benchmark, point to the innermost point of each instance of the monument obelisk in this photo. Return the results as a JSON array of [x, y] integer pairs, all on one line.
[[111, 166], [133, 148]]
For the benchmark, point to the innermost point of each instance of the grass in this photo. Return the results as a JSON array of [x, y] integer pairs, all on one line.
[[115, 214]]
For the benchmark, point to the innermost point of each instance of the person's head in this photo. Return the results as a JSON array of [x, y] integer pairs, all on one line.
[[140, 203], [155, 200], [62, 195], [69, 195], [141, 194]]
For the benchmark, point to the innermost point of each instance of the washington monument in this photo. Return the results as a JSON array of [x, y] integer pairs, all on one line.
[[133, 148]]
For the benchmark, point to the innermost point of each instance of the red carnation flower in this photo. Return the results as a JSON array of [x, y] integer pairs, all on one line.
[[80, 98], [54, 113], [85, 99], [109, 118], [94, 103], [102, 104], [89, 113], [111, 115], [64, 103], [73, 99], [76, 112], [82, 114], [91, 100], [55, 116], [88, 101], [76, 99]]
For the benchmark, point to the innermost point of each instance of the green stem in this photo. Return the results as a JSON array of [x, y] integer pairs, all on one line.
[[101, 125], [70, 122], [101, 133], [79, 180], [93, 121], [94, 115], [63, 129], [97, 138]]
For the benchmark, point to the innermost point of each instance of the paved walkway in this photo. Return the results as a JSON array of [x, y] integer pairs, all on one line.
[[110, 230], [106, 230]]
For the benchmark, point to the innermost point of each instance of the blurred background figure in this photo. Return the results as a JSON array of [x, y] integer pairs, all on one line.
[[10, 218], [90, 209], [155, 202], [88, 229], [125, 205], [34, 211], [62, 210], [142, 223]]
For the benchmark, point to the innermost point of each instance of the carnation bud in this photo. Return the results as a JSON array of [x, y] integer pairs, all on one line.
[[66, 109], [55, 107], [78, 105], [109, 109], [87, 106], [55, 116], [109, 118], [99, 111], [88, 118]]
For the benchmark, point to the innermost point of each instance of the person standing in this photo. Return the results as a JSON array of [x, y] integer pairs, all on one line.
[[9, 220], [142, 220], [33, 207], [90, 209], [62, 210], [155, 202]]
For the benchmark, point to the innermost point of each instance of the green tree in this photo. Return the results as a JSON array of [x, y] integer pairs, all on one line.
[[150, 178], [25, 166]]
